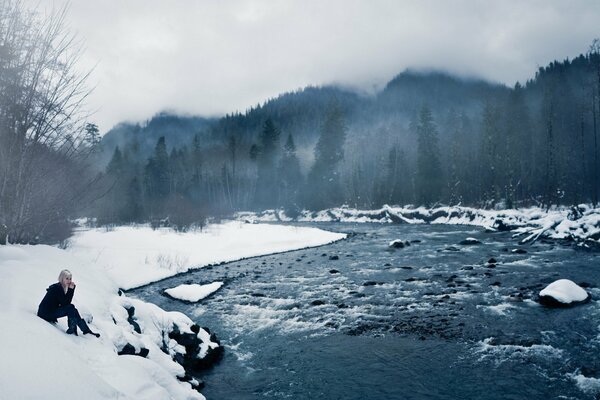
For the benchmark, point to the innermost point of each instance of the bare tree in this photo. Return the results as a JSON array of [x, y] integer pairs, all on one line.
[[42, 124]]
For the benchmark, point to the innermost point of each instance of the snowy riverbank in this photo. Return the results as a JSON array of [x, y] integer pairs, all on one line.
[[40, 361], [580, 224], [135, 256]]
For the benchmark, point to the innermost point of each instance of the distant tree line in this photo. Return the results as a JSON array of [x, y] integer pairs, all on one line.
[[535, 144]]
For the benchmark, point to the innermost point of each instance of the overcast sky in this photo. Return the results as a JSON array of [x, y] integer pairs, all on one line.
[[212, 57]]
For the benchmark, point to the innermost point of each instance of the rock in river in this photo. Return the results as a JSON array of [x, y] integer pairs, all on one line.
[[469, 241], [398, 244], [563, 293]]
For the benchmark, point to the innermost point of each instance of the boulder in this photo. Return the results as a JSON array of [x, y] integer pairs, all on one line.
[[469, 241], [132, 320], [398, 244], [129, 349], [192, 342], [563, 293]]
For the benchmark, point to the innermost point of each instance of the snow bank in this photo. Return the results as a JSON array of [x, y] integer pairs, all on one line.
[[193, 292], [581, 223], [563, 291], [40, 361], [135, 256]]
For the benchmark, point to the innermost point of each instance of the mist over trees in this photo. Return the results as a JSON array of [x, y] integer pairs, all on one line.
[[44, 137], [426, 139]]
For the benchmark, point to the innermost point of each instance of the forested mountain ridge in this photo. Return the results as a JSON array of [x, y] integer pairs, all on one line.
[[426, 138], [302, 112], [180, 130]]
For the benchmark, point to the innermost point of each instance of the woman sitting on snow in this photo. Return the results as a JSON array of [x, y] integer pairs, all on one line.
[[57, 304]]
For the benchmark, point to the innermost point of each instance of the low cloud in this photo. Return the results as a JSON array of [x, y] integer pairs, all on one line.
[[210, 58]]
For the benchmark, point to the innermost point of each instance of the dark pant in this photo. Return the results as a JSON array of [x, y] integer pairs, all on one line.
[[73, 317]]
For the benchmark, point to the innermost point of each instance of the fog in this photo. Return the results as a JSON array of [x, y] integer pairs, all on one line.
[[210, 58]]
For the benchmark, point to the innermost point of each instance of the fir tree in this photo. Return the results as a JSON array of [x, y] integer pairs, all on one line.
[[157, 177], [266, 162], [324, 179], [429, 172], [290, 176]]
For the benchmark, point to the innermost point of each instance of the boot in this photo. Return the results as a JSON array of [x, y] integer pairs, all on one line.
[[72, 327], [85, 328]]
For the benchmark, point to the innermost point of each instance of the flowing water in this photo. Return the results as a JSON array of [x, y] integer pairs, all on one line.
[[434, 320]]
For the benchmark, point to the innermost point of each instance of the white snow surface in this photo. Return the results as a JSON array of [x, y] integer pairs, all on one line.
[[529, 223], [193, 292], [565, 291], [135, 256], [38, 360]]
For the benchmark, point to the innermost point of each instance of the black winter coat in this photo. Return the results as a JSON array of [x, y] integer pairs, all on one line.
[[55, 297]]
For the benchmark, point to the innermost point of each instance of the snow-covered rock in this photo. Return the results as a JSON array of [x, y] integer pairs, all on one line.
[[563, 292], [398, 244], [193, 292], [470, 241]]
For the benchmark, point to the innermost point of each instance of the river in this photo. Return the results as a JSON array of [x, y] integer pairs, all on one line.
[[434, 320]]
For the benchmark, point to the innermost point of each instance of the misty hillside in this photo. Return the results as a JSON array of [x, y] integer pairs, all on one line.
[[301, 113], [409, 90], [427, 138], [179, 129]]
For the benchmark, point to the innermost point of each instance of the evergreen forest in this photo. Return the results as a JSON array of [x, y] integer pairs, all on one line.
[[427, 138]]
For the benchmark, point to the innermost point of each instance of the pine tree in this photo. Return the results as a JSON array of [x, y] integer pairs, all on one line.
[[115, 165], [157, 177], [266, 156], [519, 157], [290, 176], [594, 57], [396, 185], [550, 171], [134, 211], [489, 160], [429, 171], [324, 179]]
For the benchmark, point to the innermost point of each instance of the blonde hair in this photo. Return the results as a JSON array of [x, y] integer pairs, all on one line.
[[63, 274]]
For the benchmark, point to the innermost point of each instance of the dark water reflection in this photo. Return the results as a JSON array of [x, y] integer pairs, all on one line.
[[434, 320]]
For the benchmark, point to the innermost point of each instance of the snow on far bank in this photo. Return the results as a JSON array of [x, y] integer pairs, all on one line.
[[39, 360], [193, 292], [581, 223], [135, 256]]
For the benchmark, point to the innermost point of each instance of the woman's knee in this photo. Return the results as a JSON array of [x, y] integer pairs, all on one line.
[[72, 310]]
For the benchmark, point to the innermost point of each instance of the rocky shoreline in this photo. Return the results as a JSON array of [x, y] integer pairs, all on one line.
[[578, 224], [194, 348]]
